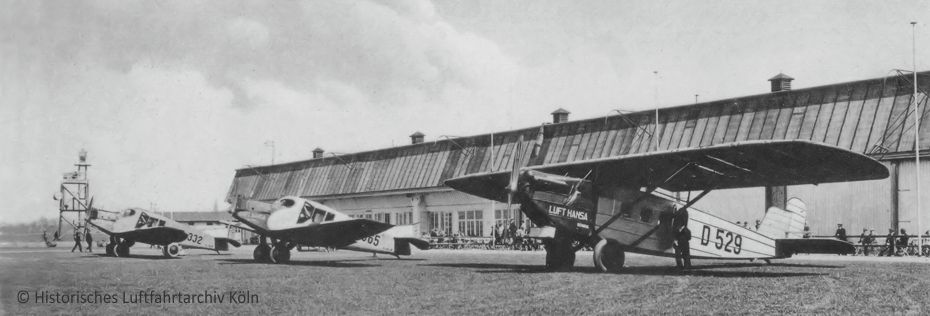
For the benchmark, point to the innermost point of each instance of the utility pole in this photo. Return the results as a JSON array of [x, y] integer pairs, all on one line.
[[917, 114], [271, 143], [655, 132]]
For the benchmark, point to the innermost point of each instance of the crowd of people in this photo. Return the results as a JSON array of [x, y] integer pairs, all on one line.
[[506, 235], [893, 244]]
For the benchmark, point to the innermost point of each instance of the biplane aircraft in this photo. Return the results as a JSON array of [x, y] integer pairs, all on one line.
[[616, 204], [292, 221], [138, 225]]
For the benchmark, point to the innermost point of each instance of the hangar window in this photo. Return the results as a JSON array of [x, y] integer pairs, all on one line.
[[404, 218], [383, 217], [471, 223]]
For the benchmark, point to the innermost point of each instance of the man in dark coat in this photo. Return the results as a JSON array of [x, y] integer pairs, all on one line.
[[89, 239], [840, 232], [889, 244], [77, 241], [683, 247]]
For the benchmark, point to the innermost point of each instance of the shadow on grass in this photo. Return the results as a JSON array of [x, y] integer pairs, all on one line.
[[131, 256], [762, 264], [652, 270], [318, 263]]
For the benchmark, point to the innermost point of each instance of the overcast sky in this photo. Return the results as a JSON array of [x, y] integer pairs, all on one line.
[[170, 97]]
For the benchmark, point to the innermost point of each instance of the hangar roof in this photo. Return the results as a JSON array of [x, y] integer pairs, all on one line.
[[869, 116]]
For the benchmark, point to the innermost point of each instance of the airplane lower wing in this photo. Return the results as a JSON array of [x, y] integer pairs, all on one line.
[[331, 234], [154, 235], [790, 246]]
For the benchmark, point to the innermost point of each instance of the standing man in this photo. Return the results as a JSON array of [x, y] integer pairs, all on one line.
[[903, 241], [683, 248], [77, 241], [89, 239], [840, 232], [889, 243], [864, 241], [682, 239]]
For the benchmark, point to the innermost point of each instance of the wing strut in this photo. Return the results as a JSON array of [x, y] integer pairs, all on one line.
[[648, 192], [694, 200]]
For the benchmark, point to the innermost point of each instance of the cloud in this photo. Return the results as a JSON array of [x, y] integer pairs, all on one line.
[[170, 98], [248, 32]]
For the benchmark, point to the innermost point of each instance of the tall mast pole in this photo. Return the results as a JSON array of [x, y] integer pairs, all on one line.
[[917, 114], [655, 131]]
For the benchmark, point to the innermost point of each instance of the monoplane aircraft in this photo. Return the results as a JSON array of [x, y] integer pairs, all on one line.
[[616, 204], [138, 225], [293, 221]]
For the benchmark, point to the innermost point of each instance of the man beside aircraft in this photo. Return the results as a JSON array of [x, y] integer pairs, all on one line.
[[866, 240], [683, 248], [889, 244], [77, 241], [840, 232]]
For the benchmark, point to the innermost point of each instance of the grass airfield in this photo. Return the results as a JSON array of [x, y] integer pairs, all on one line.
[[463, 282]]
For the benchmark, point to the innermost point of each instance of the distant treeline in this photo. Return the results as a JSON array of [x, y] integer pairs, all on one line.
[[32, 231]]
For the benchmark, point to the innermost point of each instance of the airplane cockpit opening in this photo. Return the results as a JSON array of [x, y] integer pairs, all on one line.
[[313, 214], [305, 213], [287, 202], [128, 212]]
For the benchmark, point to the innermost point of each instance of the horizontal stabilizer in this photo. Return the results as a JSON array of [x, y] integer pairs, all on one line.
[[255, 224], [421, 244], [787, 247], [222, 243], [542, 232], [241, 226]]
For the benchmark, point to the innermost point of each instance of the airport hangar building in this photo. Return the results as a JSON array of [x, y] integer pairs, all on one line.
[[404, 185]]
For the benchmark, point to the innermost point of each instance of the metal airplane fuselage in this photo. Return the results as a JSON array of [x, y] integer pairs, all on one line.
[[293, 212], [135, 219], [645, 222]]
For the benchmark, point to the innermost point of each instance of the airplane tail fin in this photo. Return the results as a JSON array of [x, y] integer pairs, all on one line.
[[406, 235], [787, 228], [784, 223]]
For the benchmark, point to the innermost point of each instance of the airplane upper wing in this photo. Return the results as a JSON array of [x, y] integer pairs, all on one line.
[[154, 235], [732, 165], [332, 234]]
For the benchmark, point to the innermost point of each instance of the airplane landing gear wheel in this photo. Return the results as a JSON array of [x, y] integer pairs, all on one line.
[[560, 256], [279, 254], [122, 249], [172, 250], [261, 252], [608, 256], [110, 249]]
